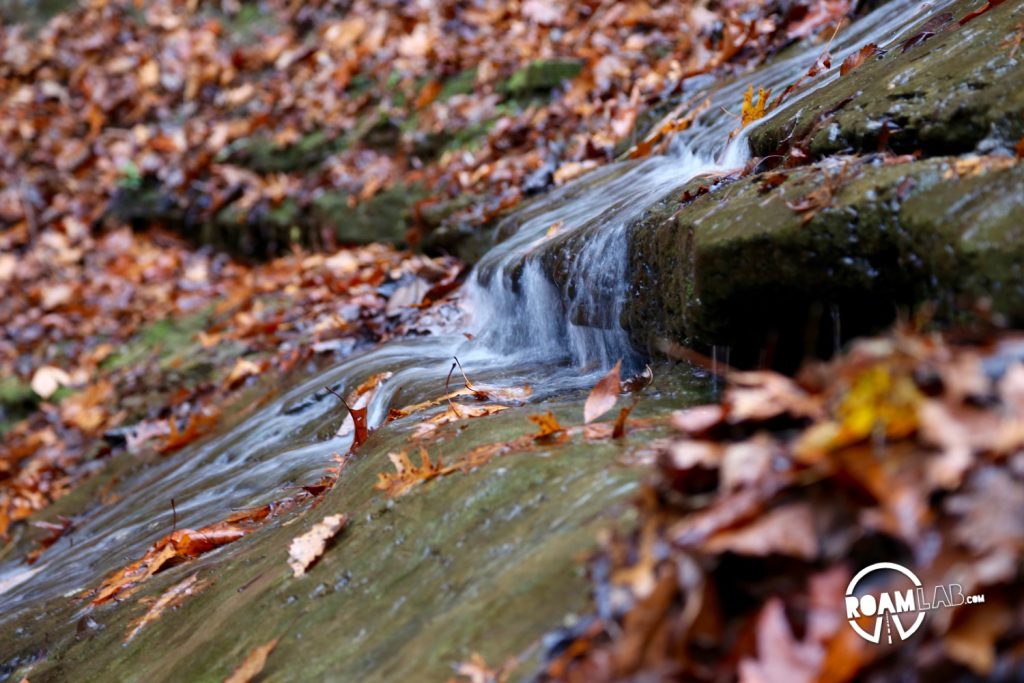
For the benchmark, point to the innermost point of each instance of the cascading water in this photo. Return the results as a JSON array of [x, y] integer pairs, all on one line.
[[524, 328]]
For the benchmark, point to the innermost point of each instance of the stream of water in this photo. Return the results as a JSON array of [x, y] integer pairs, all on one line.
[[522, 328]]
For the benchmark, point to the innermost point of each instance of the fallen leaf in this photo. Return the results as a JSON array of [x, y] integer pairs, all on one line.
[[408, 475], [604, 395], [787, 530], [169, 599], [858, 58], [780, 656], [548, 424], [936, 24], [253, 664], [305, 549], [47, 379], [454, 412], [752, 111], [971, 16], [242, 369]]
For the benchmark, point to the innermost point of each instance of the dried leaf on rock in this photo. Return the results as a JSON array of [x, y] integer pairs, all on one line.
[[858, 58], [169, 599], [753, 110], [307, 548], [253, 664], [548, 424], [407, 475], [454, 412], [183, 545]]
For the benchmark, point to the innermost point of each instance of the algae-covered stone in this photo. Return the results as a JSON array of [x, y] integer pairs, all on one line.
[[543, 74], [744, 267], [263, 155], [384, 218], [946, 94]]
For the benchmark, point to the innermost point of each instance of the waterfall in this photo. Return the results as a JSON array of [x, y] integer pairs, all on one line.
[[524, 328]]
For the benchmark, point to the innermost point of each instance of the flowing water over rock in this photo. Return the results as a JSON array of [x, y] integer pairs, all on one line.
[[479, 561]]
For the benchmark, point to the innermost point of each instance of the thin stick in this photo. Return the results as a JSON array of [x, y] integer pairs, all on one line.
[[469, 385], [339, 397], [447, 393], [174, 512]]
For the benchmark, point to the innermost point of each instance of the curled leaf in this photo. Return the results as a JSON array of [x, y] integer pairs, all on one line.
[[603, 396]]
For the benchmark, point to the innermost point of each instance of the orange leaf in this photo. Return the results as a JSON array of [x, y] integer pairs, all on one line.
[[253, 664], [408, 475], [548, 425], [171, 598], [752, 111], [858, 58]]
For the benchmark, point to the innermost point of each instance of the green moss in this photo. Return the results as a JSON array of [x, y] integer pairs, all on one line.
[[461, 83], [541, 75], [410, 588], [945, 95], [263, 155], [739, 266]]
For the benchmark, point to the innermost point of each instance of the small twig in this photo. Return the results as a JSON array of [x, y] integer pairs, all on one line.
[[447, 380], [174, 512], [339, 397], [469, 385]]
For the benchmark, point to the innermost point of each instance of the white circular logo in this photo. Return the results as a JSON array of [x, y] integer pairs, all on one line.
[[891, 608]]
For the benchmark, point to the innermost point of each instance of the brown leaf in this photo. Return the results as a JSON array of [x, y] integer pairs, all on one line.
[[780, 656], [548, 424], [620, 422], [858, 58], [604, 395], [971, 16], [408, 475], [307, 548], [972, 642], [253, 664], [787, 530], [936, 24], [454, 412], [169, 599]]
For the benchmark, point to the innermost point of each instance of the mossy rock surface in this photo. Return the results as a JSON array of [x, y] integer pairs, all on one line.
[[741, 267], [950, 93], [541, 75]]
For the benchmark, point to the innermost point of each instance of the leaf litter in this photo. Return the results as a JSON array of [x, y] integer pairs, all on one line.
[[907, 448]]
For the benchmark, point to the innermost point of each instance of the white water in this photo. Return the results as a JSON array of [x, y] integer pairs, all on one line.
[[522, 327]]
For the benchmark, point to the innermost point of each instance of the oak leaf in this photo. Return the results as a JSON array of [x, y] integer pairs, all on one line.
[[408, 475]]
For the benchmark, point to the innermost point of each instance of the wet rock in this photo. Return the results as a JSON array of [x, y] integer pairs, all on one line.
[[383, 218], [940, 88], [832, 251], [263, 155]]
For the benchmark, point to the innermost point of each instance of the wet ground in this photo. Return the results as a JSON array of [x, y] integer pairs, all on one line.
[[483, 561]]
